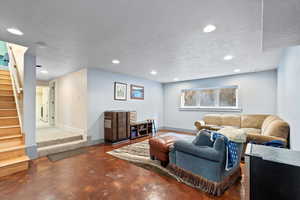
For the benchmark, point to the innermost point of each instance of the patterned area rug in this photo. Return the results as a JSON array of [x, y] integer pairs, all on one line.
[[139, 154]]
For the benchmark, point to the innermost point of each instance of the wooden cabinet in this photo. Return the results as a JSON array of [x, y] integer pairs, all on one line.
[[116, 126]]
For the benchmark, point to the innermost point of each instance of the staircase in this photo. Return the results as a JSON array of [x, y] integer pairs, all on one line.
[[12, 149]]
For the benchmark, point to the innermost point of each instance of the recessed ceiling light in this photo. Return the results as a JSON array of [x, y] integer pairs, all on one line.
[[237, 70], [44, 72], [153, 72], [15, 31], [209, 28], [228, 57], [176, 79], [115, 62]]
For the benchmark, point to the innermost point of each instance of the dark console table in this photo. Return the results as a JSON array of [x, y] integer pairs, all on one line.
[[140, 129], [272, 173]]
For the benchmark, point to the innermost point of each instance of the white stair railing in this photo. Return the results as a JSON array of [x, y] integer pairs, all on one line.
[[16, 85]]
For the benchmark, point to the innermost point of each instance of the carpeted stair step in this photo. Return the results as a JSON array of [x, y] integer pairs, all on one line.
[[59, 141], [44, 151]]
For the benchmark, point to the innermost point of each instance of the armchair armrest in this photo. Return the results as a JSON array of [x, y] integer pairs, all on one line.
[[263, 138], [199, 124], [204, 152]]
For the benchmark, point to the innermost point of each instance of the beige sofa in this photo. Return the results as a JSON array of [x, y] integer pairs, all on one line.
[[259, 128]]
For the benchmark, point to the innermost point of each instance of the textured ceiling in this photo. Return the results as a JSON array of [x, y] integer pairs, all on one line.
[[281, 23], [144, 35]]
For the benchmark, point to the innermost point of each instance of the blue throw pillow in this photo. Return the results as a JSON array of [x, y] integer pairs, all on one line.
[[203, 139]]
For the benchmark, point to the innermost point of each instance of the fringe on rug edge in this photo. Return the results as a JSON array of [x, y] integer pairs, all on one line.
[[210, 187]]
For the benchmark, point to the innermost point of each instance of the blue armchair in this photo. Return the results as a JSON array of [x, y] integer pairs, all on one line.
[[202, 164]]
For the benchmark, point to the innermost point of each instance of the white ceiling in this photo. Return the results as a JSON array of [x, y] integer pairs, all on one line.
[[281, 23], [144, 35]]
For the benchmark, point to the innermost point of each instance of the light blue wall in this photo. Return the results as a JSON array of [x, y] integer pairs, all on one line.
[[100, 86], [289, 92], [257, 95], [29, 89]]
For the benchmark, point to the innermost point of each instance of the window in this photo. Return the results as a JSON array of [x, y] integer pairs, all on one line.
[[222, 98]]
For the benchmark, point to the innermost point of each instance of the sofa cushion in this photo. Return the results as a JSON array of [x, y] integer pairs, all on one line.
[[252, 121], [213, 119], [277, 128], [252, 131], [212, 127], [268, 121], [234, 134], [231, 120]]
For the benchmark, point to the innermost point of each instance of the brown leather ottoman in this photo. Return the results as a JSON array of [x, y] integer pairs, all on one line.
[[159, 148]]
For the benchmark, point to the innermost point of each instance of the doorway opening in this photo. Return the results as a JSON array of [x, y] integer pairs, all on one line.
[[52, 136], [42, 107]]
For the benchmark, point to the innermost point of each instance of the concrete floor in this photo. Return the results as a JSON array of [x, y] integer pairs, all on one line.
[[53, 133], [97, 175], [41, 124]]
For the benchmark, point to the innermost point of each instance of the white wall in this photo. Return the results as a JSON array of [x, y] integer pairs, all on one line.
[[19, 52], [257, 94], [71, 101], [289, 92], [101, 98]]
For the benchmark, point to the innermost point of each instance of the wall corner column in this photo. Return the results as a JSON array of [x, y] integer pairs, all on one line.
[[29, 115]]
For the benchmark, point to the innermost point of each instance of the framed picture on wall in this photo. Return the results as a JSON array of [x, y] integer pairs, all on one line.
[[137, 92], [120, 92]]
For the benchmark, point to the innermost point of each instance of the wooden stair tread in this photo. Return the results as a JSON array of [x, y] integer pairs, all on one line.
[[10, 137], [5, 83], [8, 117], [4, 70], [3, 89], [8, 109], [6, 149], [6, 95], [12, 126], [14, 161]]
